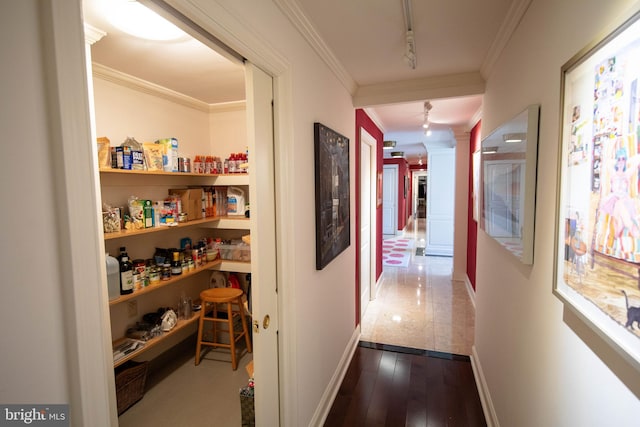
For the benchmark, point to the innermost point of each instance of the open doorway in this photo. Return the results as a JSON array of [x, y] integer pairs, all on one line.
[[129, 102]]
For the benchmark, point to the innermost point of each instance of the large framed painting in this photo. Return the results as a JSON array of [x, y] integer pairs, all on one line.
[[597, 257], [333, 233]]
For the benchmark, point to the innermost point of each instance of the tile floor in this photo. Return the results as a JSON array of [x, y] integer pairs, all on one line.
[[419, 306]]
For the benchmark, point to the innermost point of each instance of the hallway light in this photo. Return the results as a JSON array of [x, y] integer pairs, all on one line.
[[388, 145], [397, 154], [137, 20]]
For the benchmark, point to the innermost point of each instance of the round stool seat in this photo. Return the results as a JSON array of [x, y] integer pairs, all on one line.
[[220, 294]]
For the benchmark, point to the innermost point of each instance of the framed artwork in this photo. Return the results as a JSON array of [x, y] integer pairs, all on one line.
[[332, 194], [597, 254], [508, 166], [379, 191]]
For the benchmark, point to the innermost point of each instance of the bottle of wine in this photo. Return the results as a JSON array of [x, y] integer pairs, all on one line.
[[126, 272]]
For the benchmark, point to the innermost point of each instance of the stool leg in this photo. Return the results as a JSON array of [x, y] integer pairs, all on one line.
[[203, 309], [232, 339], [245, 329]]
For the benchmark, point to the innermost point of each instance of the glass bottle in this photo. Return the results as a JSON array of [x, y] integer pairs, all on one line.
[[126, 272]]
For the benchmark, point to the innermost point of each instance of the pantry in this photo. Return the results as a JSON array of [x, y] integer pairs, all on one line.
[[209, 221]]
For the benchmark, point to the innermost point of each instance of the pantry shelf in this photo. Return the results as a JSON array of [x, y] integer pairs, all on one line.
[[182, 323], [230, 222], [174, 279], [235, 266]]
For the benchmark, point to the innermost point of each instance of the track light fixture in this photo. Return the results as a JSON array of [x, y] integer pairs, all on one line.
[[427, 108]]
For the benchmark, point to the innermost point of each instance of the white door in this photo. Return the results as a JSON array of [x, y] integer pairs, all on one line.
[[390, 199], [440, 201], [259, 92], [367, 217]]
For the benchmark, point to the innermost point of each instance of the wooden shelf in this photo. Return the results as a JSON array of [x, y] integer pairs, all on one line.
[[174, 279], [163, 173], [156, 340], [234, 266], [231, 222]]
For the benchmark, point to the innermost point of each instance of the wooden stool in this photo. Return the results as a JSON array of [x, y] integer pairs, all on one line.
[[230, 297]]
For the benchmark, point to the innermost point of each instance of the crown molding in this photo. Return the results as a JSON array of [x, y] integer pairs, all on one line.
[[92, 34], [293, 11], [447, 86], [512, 20], [134, 83]]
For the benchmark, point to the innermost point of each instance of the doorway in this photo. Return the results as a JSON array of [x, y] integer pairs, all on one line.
[[419, 194], [368, 161], [390, 200], [260, 143]]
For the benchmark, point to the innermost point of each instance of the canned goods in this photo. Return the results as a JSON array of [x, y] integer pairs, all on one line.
[[154, 275]]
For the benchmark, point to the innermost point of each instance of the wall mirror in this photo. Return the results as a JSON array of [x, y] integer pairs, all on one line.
[[508, 174]]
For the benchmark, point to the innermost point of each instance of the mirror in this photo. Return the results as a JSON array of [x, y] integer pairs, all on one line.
[[508, 174]]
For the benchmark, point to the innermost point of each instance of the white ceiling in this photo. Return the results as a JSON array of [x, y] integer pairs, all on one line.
[[455, 42]]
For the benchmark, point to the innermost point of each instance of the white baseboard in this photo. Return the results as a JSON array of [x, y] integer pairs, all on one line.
[[470, 290], [483, 390], [330, 393]]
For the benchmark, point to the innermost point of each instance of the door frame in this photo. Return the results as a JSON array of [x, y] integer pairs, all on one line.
[[91, 382], [367, 139]]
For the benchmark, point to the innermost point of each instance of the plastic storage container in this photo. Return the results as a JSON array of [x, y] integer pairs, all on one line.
[[113, 277]]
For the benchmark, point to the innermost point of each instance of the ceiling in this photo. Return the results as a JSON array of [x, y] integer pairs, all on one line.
[[454, 40]]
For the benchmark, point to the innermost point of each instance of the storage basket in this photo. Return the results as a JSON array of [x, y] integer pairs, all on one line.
[[130, 381]]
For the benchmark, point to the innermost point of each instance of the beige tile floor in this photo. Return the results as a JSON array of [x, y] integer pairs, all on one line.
[[419, 306]]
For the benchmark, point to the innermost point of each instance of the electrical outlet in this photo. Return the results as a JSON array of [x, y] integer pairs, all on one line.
[[132, 308]]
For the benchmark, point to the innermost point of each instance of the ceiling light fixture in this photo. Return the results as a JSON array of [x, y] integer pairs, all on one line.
[[138, 20], [397, 154], [410, 56], [388, 145], [514, 137]]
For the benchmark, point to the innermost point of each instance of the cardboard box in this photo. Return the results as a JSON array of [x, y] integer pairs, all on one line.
[[191, 201]]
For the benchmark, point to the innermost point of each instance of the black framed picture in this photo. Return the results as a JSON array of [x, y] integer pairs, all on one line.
[[333, 233]]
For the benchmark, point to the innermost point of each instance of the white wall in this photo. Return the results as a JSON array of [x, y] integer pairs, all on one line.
[[33, 368], [538, 370]]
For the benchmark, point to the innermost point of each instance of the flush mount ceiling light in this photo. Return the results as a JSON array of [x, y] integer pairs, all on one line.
[[410, 49], [514, 137], [388, 145], [136, 19], [397, 154]]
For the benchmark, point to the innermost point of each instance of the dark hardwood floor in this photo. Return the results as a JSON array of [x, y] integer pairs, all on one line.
[[397, 386]]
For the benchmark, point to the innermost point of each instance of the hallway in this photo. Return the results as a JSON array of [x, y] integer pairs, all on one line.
[[419, 306]]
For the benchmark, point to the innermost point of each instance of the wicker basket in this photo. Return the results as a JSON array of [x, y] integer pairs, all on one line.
[[130, 381]]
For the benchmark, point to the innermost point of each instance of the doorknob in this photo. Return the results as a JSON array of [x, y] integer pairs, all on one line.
[[266, 321]]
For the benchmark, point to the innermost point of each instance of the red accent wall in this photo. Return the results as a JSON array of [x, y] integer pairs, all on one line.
[[364, 121], [404, 203], [472, 225]]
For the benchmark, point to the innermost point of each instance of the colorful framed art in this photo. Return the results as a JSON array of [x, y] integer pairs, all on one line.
[[597, 256]]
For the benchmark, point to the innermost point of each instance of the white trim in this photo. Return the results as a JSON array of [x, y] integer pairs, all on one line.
[[483, 390], [447, 86], [330, 393], [367, 139], [87, 330], [470, 291], [508, 27], [296, 15], [131, 82]]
